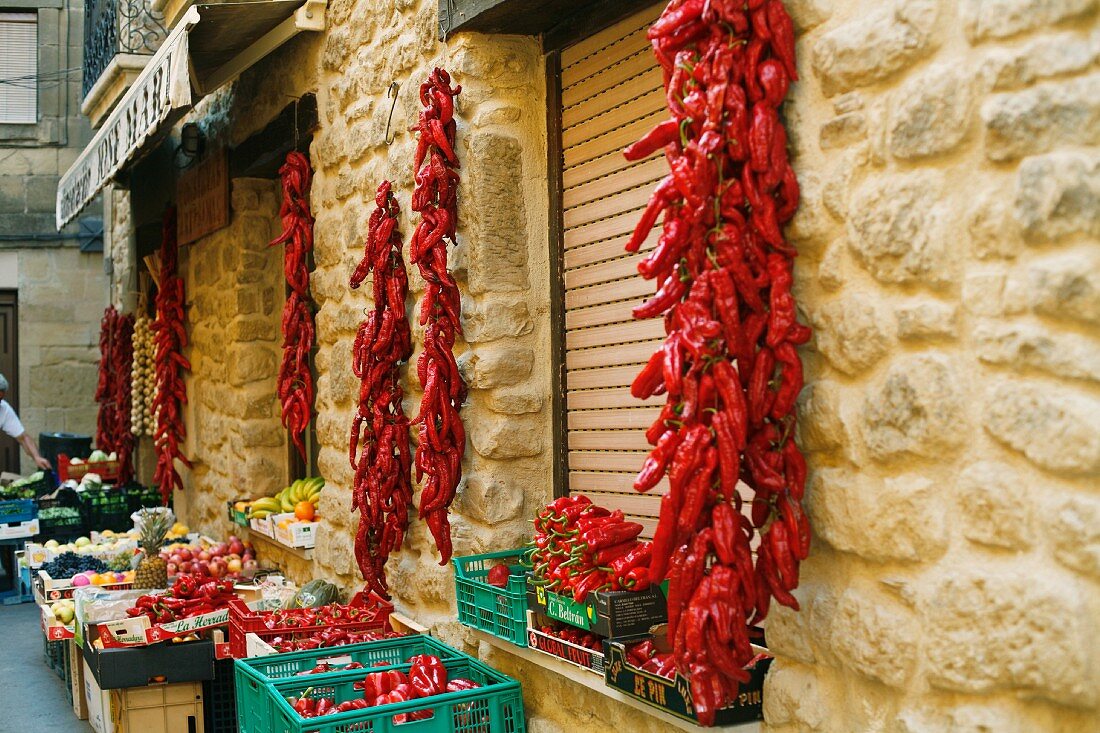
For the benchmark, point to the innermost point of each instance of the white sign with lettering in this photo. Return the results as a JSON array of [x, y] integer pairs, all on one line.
[[163, 85]]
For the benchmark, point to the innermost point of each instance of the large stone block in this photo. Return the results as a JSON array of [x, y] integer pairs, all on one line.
[[519, 400], [994, 234], [821, 426], [852, 332], [502, 437], [497, 244], [899, 229], [927, 319], [491, 318], [491, 496], [496, 366], [915, 410], [875, 45], [251, 364], [1054, 427], [897, 519], [993, 504], [877, 636], [795, 695], [1012, 68], [1010, 627], [1075, 535], [1022, 345], [1041, 118], [931, 112], [1058, 195], [986, 19], [1067, 285]]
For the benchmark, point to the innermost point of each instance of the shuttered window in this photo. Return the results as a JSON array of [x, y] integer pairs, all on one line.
[[18, 68], [611, 93]]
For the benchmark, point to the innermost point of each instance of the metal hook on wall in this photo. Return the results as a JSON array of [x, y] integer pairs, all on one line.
[[392, 92]]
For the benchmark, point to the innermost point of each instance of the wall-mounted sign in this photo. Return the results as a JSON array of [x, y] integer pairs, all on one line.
[[202, 196], [163, 86]]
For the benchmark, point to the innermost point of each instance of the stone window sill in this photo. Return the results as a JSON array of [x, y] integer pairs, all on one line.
[[596, 683]]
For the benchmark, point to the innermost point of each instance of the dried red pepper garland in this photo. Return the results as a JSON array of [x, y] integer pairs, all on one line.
[[116, 351], [169, 340], [441, 436], [724, 276], [379, 447], [295, 386]]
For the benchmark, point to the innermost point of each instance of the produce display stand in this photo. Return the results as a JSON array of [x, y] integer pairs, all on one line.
[[67, 470]]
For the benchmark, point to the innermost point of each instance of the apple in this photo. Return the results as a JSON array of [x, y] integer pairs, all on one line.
[[236, 547], [173, 568], [249, 565], [218, 550], [185, 566], [215, 568], [234, 565], [203, 556], [185, 554]]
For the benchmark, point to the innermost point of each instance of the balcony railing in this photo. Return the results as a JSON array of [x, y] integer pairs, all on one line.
[[113, 27]]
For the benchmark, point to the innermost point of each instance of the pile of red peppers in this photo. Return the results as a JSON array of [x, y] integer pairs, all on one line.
[[379, 446], [427, 677], [441, 436], [580, 548], [573, 635], [190, 595], [169, 339], [326, 637], [295, 385], [116, 357], [729, 366]]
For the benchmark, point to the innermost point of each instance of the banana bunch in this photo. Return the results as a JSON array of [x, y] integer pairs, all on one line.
[[302, 490]]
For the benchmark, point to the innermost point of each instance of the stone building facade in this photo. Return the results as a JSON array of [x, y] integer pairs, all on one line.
[[60, 289], [948, 263]]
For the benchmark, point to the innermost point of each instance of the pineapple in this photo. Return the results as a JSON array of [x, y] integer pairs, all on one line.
[[152, 571]]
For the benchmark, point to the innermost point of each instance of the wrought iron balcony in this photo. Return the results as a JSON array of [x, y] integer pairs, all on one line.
[[122, 31]]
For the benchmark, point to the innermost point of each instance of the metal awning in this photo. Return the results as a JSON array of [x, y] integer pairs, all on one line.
[[210, 46]]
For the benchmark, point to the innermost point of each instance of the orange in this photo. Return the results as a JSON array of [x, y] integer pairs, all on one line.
[[304, 510]]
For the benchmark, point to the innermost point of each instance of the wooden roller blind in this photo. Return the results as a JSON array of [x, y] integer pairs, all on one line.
[[611, 93]]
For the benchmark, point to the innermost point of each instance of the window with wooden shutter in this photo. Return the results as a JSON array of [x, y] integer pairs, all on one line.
[[18, 68], [611, 93]]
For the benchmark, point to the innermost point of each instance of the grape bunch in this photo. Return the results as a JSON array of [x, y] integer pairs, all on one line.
[[68, 564]]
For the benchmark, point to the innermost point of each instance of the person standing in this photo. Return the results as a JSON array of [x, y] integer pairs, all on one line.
[[9, 423]]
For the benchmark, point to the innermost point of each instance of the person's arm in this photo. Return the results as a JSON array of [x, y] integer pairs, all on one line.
[[32, 450]]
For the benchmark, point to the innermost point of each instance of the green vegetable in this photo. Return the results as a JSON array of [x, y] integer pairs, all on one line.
[[313, 594], [97, 456]]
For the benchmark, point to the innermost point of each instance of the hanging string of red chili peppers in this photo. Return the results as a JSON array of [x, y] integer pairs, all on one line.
[[441, 436], [295, 385], [379, 447], [170, 338], [724, 275], [112, 392]]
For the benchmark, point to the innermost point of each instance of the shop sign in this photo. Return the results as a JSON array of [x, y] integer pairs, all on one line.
[[163, 86], [203, 198]]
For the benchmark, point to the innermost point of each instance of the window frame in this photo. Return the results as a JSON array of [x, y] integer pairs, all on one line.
[[22, 16], [571, 30]]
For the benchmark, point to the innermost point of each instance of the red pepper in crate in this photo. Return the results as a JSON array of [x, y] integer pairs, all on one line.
[[729, 366], [498, 575], [427, 675], [461, 683]]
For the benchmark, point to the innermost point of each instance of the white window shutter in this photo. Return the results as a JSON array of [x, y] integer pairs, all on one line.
[[18, 68]]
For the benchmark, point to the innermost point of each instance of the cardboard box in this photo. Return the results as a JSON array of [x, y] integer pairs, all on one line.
[[295, 534], [52, 628], [99, 703], [15, 530], [140, 631], [611, 614], [76, 681], [585, 658], [673, 696], [54, 590], [263, 526], [159, 708], [191, 661]]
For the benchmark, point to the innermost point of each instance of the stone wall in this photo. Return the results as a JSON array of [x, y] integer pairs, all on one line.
[[952, 190], [62, 294], [235, 298]]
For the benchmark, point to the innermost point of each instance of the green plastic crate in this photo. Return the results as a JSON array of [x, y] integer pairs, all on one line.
[[499, 611], [369, 653], [56, 654], [495, 707]]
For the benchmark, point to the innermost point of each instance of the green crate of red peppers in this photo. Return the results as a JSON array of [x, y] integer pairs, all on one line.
[[590, 569], [440, 694]]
